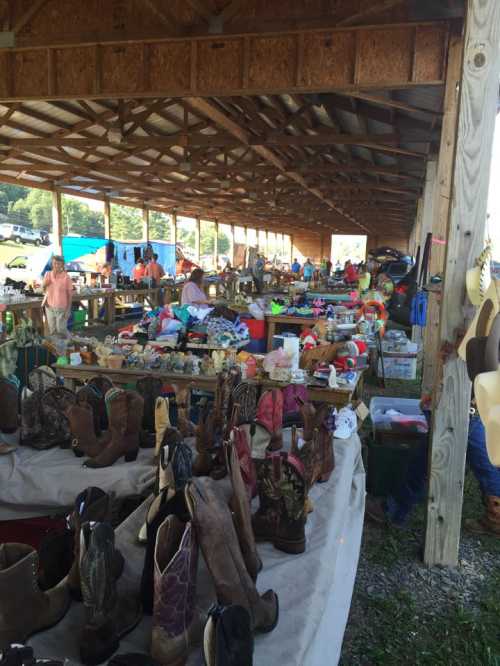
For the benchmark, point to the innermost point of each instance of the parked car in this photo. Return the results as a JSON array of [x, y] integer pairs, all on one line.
[[396, 270], [20, 234]]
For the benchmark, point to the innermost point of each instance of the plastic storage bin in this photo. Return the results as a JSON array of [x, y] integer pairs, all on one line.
[[379, 407], [256, 328]]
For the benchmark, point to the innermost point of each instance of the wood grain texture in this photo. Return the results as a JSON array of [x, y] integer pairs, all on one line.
[[465, 237]]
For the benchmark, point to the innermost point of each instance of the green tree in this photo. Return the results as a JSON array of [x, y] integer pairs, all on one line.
[[160, 226], [34, 209], [126, 223], [224, 243]]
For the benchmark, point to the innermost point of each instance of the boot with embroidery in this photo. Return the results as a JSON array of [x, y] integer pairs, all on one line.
[[81, 422], [108, 617], [281, 515], [176, 623]]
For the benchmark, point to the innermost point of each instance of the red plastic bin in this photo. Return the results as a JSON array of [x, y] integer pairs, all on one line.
[[256, 328]]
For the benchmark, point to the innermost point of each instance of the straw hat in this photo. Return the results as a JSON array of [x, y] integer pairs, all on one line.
[[478, 278], [487, 393]]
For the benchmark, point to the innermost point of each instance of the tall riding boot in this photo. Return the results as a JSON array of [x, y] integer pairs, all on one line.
[[81, 423], [108, 617], [91, 505], [240, 506], [24, 608], [489, 523], [162, 421], [176, 624], [125, 417], [281, 516], [214, 526]]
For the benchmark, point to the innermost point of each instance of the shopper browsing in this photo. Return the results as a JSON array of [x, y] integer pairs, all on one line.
[[192, 292], [308, 270], [139, 270], [155, 270], [296, 267], [58, 288]]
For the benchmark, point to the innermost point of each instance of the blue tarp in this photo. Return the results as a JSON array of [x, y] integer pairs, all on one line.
[[86, 252]]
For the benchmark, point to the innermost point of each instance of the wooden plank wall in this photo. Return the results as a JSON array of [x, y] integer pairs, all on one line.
[[465, 239]]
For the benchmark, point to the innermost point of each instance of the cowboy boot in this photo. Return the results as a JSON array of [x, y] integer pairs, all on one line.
[[204, 440], [174, 470], [101, 385], [162, 421], [317, 451], [281, 515], [228, 638], [161, 507], [125, 417], [176, 624], [108, 617], [214, 526], [9, 414], [24, 608], [489, 523], [91, 505], [240, 506], [183, 401], [91, 396], [81, 422]]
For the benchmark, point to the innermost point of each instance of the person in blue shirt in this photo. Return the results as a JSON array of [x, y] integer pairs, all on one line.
[[295, 267], [308, 270]]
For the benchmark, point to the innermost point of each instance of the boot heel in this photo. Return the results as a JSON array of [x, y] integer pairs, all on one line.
[[131, 455]]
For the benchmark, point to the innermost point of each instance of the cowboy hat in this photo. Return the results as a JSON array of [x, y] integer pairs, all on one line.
[[487, 393], [493, 294], [476, 346], [478, 278]]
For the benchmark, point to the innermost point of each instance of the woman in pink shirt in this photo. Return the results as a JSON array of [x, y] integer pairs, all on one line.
[[192, 292], [58, 288]]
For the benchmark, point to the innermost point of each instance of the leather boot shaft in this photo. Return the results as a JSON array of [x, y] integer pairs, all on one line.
[[176, 625]]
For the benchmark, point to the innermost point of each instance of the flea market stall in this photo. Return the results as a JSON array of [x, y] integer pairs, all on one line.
[[201, 460]]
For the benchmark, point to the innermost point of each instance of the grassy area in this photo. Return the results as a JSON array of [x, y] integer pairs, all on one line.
[[9, 250], [405, 613]]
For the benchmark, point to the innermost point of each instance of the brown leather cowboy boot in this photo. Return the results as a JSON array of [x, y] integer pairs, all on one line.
[[214, 526], [24, 608], [489, 523], [125, 418], [81, 422], [317, 451]]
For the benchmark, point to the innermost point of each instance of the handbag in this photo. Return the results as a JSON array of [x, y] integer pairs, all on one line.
[[418, 309]]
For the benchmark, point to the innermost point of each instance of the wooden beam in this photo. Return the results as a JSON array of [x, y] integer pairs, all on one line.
[[441, 210], [478, 99], [174, 227], [57, 222], [197, 239], [145, 223], [216, 246], [373, 10], [232, 245], [28, 15], [395, 104], [107, 219], [214, 66]]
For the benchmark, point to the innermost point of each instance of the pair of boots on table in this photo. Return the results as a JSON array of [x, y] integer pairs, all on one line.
[[25, 609], [124, 413]]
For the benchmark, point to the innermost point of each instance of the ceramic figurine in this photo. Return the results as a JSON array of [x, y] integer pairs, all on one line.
[[332, 377]]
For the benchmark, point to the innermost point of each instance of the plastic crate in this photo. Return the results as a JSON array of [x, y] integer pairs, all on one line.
[[379, 406]]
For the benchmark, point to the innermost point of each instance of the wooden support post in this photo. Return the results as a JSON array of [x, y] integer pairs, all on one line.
[[267, 244], [197, 240], [57, 222], [232, 245], [216, 246], [107, 219], [478, 96], [292, 249], [145, 224], [174, 228]]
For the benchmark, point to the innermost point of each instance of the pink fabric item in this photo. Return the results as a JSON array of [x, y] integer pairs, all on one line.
[[192, 294], [58, 289], [154, 270]]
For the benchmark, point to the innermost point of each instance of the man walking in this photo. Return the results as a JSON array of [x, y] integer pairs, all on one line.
[[58, 288]]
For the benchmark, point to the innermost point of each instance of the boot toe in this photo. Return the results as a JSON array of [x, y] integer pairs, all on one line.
[[271, 613]]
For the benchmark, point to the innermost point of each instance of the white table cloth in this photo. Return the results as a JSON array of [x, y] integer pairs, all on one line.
[[39, 483], [314, 588]]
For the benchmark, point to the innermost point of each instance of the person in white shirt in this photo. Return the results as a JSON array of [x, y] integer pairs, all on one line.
[[192, 292]]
